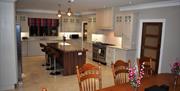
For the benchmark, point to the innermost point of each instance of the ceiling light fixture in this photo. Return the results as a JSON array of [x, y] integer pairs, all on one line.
[[69, 12], [59, 11]]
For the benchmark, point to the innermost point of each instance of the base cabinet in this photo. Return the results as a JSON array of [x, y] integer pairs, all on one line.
[[24, 46], [113, 54], [88, 46], [32, 47]]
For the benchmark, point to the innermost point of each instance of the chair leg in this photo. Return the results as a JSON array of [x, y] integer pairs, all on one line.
[[55, 72], [50, 62]]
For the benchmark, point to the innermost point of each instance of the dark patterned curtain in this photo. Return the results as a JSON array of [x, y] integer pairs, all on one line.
[[42, 26]]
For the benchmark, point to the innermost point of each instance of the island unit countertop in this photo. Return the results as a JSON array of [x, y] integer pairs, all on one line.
[[65, 47], [70, 56]]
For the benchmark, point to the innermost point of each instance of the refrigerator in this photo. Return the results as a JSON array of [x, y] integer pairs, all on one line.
[[19, 54]]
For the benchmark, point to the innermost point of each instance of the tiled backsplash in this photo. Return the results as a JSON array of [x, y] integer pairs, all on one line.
[[59, 37], [107, 37]]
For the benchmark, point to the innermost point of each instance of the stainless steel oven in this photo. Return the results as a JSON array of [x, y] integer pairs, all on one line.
[[99, 52]]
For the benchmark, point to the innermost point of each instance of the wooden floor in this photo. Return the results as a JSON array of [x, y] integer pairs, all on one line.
[[36, 77]]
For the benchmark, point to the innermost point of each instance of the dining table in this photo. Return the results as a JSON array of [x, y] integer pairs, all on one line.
[[165, 79]]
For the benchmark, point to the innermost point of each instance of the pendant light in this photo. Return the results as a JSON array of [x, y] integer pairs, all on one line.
[[59, 11], [69, 12]]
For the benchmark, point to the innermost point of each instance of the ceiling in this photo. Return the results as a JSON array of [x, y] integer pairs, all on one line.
[[77, 6]]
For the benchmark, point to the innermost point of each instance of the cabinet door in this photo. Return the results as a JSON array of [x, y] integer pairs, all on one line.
[[99, 18], [119, 25], [104, 18], [120, 55], [78, 24], [91, 27], [110, 55], [34, 48], [108, 18], [24, 24], [127, 31], [24, 50]]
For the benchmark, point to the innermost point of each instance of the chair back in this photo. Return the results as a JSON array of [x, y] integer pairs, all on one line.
[[89, 77], [148, 66], [120, 71]]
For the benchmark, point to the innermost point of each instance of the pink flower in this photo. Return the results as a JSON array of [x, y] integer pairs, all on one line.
[[135, 76]]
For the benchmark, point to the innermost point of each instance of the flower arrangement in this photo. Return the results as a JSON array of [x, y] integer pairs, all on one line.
[[175, 68], [136, 76]]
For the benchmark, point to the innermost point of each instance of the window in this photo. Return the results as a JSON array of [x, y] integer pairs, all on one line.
[[43, 27]]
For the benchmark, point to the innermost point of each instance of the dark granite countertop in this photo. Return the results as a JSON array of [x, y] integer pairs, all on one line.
[[66, 47]]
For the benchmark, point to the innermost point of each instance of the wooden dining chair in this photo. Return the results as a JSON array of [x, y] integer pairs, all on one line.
[[89, 77], [120, 70], [148, 66]]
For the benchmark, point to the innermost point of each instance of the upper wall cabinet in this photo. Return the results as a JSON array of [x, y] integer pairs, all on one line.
[[104, 18], [124, 27], [22, 20], [71, 24], [91, 27]]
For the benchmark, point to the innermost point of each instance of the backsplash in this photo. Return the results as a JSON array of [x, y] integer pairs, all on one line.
[[107, 37], [60, 35]]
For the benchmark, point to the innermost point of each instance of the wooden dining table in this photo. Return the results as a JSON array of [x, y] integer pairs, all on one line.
[[160, 79]]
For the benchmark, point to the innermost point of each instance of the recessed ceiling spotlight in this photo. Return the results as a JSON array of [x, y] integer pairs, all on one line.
[[71, 0], [130, 2]]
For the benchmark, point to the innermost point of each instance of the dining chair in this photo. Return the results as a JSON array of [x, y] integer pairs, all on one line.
[[120, 70], [148, 66], [89, 77]]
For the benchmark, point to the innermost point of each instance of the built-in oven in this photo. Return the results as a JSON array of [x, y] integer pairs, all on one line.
[[99, 52]]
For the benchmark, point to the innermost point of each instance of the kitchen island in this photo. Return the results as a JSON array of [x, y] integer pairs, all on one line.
[[69, 56]]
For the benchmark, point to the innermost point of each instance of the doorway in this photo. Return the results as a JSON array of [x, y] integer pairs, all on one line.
[[151, 41], [84, 31]]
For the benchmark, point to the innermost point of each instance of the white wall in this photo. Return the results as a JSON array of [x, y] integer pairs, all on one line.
[[8, 61], [171, 44]]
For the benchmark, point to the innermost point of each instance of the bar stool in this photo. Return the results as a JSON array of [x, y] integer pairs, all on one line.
[[49, 57], [44, 50], [55, 55]]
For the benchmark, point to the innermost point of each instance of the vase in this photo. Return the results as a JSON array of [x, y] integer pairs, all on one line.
[[135, 88], [175, 80]]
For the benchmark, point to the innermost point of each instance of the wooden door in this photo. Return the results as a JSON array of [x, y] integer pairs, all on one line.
[[151, 42]]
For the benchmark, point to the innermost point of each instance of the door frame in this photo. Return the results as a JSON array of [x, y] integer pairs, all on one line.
[[82, 27], [162, 39]]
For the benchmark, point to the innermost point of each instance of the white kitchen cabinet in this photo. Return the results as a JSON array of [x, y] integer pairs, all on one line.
[[124, 23], [105, 18], [114, 53], [24, 48], [34, 48], [110, 55], [88, 46], [23, 21], [71, 24], [91, 27]]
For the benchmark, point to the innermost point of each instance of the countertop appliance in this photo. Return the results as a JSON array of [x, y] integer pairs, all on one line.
[[99, 52], [74, 36]]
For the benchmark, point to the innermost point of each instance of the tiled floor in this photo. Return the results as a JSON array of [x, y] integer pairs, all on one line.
[[36, 77]]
